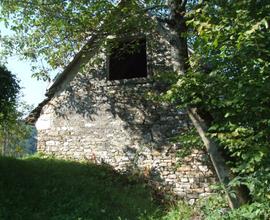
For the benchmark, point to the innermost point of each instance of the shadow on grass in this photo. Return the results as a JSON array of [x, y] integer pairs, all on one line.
[[60, 190]]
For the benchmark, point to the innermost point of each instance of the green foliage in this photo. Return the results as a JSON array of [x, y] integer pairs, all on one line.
[[52, 32], [16, 139], [213, 207], [9, 90], [229, 77], [250, 211], [13, 130], [50, 29], [181, 211], [187, 140]]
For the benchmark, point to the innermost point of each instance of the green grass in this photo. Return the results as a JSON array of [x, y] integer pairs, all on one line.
[[59, 190]]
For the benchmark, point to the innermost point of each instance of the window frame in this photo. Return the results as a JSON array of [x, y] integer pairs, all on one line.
[[108, 56]]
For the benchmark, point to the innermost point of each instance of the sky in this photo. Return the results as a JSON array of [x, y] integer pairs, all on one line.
[[33, 90]]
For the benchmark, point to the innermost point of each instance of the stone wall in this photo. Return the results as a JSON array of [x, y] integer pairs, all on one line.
[[113, 122]]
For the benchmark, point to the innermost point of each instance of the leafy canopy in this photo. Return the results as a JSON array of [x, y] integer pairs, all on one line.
[[9, 89], [52, 31], [230, 79]]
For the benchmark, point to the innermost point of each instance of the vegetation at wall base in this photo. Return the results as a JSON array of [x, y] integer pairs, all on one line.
[[47, 188], [228, 83]]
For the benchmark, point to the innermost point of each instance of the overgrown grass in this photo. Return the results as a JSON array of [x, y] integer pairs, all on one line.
[[59, 190]]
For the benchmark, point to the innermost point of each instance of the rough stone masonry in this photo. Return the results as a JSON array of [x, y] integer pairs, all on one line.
[[90, 117]]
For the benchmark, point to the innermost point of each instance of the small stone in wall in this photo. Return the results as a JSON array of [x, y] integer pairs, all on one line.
[[191, 201], [184, 180], [203, 168], [50, 143]]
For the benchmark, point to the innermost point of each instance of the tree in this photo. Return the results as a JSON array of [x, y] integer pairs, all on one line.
[[13, 130], [233, 39], [9, 90], [215, 83], [226, 87]]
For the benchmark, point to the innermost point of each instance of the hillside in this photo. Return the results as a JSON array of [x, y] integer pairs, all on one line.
[[52, 189]]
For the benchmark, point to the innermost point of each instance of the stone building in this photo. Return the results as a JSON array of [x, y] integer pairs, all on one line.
[[98, 110]]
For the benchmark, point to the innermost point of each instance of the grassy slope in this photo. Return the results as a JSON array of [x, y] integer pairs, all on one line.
[[58, 190]]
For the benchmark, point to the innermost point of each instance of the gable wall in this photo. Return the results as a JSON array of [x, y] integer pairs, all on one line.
[[91, 118]]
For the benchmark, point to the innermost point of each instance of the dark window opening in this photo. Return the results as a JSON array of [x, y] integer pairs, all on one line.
[[128, 60]]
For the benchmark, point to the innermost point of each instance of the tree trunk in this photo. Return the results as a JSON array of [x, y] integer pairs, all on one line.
[[178, 40], [212, 148]]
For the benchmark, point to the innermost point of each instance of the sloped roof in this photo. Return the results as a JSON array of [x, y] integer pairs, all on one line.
[[35, 113]]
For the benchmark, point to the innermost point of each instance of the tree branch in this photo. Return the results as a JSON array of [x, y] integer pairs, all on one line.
[[184, 3], [156, 7], [164, 20]]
